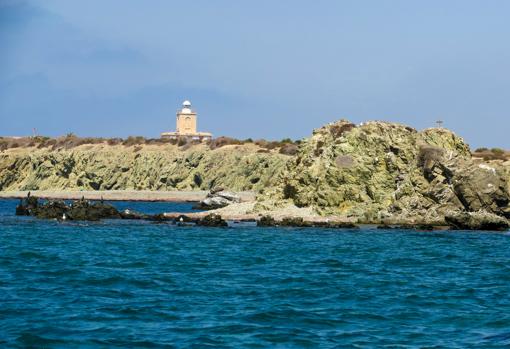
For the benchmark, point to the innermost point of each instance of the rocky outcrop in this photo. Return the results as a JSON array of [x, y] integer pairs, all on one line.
[[217, 199], [388, 173], [212, 220], [81, 210], [480, 220], [147, 167], [377, 172]]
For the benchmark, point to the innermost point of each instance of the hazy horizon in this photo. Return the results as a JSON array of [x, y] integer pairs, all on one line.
[[254, 70]]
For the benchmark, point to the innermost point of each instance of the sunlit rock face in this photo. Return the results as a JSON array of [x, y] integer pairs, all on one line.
[[164, 167], [380, 171]]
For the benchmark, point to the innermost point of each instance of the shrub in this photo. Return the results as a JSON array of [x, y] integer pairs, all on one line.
[[134, 140], [182, 141], [160, 141], [114, 141], [50, 142], [272, 145], [289, 149], [481, 150], [67, 142], [261, 143], [223, 141], [497, 151]]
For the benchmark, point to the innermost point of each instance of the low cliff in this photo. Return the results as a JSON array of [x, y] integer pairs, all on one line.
[[140, 167], [383, 172]]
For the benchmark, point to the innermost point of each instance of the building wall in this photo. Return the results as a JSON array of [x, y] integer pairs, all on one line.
[[186, 123]]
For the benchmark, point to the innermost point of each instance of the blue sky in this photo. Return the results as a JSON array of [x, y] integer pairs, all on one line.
[[260, 69]]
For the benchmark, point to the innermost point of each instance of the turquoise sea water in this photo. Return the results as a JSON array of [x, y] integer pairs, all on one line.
[[133, 284]]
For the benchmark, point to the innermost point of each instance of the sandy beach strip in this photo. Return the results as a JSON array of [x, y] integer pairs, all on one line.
[[119, 195]]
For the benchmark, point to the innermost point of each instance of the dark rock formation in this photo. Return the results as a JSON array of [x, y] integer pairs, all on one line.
[[27, 206], [266, 221], [130, 214], [480, 220], [212, 220], [81, 210], [92, 211]]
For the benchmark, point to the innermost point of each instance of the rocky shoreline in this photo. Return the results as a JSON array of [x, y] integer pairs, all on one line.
[[84, 210], [377, 173]]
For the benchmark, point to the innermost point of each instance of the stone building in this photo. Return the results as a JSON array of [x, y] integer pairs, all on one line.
[[186, 125]]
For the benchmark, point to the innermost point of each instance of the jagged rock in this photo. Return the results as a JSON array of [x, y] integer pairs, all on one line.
[[212, 203], [232, 197], [160, 217], [380, 171], [480, 220], [218, 199], [183, 219], [27, 206], [57, 209], [482, 187], [335, 225], [92, 211], [216, 190], [266, 221], [131, 214], [294, 222], [52, 210], [212, 220]]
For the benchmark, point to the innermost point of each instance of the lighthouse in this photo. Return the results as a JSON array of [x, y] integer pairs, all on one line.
[[186, 125]]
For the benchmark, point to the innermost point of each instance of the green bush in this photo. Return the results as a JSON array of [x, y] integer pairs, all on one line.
[[134, 140], [114, 141], [497, 151], [182, 141]]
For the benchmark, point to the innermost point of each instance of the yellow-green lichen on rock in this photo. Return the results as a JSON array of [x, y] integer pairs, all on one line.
[[151, 167], [380, 171]]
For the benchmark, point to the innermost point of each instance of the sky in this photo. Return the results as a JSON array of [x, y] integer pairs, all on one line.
[[260, 69]]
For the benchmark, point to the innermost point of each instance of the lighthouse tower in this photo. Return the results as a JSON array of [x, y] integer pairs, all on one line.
[[186, 120], [186, 125]]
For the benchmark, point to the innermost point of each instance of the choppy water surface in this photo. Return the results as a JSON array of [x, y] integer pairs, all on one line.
[[133, 284]]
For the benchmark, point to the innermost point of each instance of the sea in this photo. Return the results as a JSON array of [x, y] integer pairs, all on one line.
[[133, 284]]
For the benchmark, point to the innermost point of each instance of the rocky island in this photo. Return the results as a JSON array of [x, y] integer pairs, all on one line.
[[379, 173]]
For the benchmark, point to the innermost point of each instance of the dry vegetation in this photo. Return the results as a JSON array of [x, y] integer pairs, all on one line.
[[492, 154], [285, 146]]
